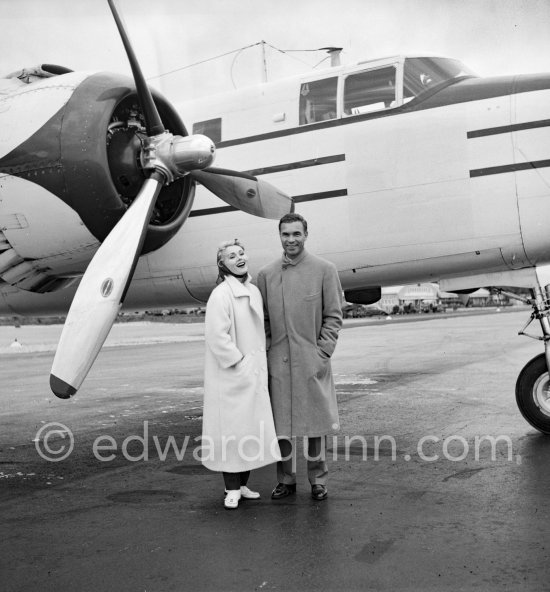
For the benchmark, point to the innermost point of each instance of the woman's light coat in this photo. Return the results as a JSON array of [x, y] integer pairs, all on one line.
[[238, 429]]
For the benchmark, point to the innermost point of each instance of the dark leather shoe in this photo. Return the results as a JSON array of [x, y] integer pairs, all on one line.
[[319, 492], [283, 490]]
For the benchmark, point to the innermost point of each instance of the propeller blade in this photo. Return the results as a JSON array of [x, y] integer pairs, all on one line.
[[101, 292], [245, 192], [153, 122]]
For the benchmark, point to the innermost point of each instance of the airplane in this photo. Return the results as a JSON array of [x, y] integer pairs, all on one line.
[[408, 169]]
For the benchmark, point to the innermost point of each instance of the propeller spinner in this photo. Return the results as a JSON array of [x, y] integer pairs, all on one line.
[[104, 285]]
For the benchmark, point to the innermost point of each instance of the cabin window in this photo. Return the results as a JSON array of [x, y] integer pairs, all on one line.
[[318, 100], [212, 128], [369, 91]]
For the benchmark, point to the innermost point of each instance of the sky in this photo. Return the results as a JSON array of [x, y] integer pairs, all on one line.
[[171, 37]]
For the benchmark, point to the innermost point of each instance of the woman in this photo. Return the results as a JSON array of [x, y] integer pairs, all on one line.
[[238, 432]]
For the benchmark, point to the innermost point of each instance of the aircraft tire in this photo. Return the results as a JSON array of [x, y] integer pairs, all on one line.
[[533, 393]]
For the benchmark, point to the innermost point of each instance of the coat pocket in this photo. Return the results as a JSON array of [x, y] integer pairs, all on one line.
[[323, 367], [315, 364], [244, 363]]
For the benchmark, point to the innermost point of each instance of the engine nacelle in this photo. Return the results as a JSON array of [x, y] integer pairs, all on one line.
[[69, 168]]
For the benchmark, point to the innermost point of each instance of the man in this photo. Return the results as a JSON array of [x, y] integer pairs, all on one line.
[[303, 315]]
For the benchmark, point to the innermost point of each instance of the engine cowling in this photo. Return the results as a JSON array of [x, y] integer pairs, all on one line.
[[69, 169]]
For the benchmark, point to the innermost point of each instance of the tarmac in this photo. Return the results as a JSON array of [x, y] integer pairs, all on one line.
[[436, 483]]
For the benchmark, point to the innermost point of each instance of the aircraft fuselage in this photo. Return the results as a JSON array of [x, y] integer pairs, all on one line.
[[417, 184]]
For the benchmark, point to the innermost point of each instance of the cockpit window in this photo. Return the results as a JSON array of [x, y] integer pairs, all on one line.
[[318, 100], [420, 74], [369, 91]]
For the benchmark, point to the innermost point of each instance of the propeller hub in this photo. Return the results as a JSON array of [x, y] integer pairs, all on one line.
[[190, 153], [176, 156]]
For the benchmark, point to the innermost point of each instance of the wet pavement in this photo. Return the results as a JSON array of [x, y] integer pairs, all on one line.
[[436, 481]]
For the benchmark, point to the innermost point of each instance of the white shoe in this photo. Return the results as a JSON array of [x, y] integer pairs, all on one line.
[[232, 497], [248, 494]]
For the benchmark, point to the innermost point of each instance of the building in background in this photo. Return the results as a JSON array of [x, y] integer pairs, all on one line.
[[426, 298]]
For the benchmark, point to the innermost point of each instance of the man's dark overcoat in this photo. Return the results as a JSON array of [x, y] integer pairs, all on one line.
[[303, 315]]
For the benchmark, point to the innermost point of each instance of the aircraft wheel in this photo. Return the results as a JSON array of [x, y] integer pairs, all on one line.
[[533, 393]]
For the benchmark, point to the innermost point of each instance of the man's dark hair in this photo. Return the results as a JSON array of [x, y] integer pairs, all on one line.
[[293, 217]]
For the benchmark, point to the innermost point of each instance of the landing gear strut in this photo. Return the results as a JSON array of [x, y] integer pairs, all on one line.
[[533, 383]]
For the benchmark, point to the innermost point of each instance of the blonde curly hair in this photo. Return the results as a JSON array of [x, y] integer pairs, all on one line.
[[222, 270]]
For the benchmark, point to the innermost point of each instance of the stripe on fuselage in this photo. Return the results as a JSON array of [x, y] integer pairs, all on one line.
[[510, 168], [296, 199], [505, 129]]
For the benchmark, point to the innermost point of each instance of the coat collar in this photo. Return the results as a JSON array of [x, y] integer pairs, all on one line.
[[238, 288], [286, 261]]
